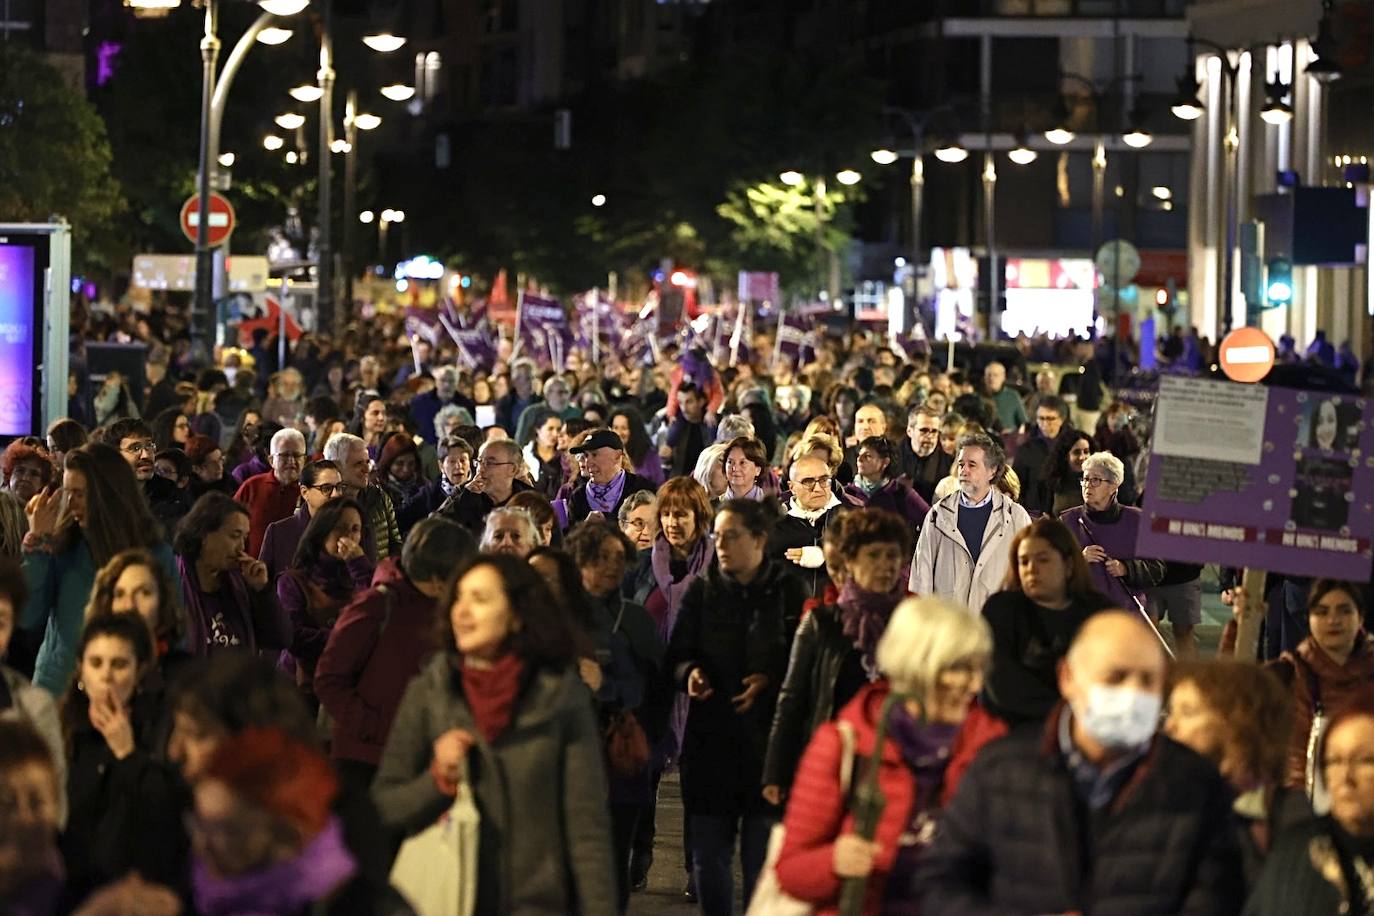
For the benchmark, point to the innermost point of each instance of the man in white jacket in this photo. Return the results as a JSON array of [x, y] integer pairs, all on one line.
[[964, 548]]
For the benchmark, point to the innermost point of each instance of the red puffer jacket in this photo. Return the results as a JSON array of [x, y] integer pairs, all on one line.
[[817, 812]]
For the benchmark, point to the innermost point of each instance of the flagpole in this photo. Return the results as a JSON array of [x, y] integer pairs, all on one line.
[[777, 340], [596, 326], [519, 309]]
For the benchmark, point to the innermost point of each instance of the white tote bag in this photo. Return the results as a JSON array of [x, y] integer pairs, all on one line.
[[769, 898], [436, 870]]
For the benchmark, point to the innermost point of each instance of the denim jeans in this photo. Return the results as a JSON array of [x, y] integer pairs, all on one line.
[[713, 855]]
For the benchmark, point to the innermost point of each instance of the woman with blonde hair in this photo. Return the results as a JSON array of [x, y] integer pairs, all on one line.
[[932, 657]]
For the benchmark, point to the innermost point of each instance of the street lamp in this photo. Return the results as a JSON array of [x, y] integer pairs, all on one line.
[[366, 121], [951, 151], [1022, 154], [306, 92], [340, 146], [283, 7], [848, 177], [883, 156], [384, 42], [366, 217], [598, 200], [1276, 111], [1187, 106], [1137, 137], [272, 35], [226, 159], [290, 120], [273, 142], [791, 178], [1060, 135], [1325, 68], [398, 92]]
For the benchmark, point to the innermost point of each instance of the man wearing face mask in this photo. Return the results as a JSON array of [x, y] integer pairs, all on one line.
[[1094, 813]]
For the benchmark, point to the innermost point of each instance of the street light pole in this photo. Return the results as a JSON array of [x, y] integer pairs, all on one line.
[[350, 193], [203, 321], [324, 289]]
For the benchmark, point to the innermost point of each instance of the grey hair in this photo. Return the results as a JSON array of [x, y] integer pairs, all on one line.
[[634, 501], [926, 636], [710, 456], [339, 445], [992, 449], [734, 426], [512, 450], [451, 410], [287, 436], [522, 516], [1110, 466]]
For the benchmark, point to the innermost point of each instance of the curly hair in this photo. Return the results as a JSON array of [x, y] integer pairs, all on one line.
[[1254, 714], [546, 636], [18, 451], [872, 526], [171, 619]]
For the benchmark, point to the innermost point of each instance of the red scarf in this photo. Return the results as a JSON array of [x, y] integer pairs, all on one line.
[[491, 694]]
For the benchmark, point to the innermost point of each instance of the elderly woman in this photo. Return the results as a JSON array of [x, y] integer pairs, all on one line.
[[510, 531], [501, 712], [1107, 532], [747, 473], [638, 518], [1328, 671], [1323, 866], [880, 485], [710, 471], [1238, 716], [932, 656], [834, 652]]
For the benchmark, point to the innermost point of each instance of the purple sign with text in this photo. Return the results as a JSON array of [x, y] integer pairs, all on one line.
[[16, 339], [1266, 478]]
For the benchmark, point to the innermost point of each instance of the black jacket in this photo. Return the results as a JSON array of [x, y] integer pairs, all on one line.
[[1015, 839], [730, 631], [792, 531], [924, 474], [1032, 467], [419, 506], [168, 502], [807, 699], [579, 508], [470, 509], [1294, 881]]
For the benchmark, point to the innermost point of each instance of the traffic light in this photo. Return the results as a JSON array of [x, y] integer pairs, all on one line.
[[1278, 283]]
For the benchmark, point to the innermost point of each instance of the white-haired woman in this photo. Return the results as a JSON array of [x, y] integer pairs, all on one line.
[[500, 474], [1107, 532], [512, 531], [932, 656], [710, 470]]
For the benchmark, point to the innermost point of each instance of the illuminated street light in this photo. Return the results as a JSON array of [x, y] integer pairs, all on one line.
[[1060, 135], [384, 42], [340, 146], [283, 7], [273, 35], [599, 200], [952, 152], [290, 120], [306, 93], [273, 142], [792, 178], [1276, 111], [398, 92], [883, 156], [292, 157], [848, 177], [1137, 138], [149, 9], [398, 216], [366, 121], [366, 216], [1161, 192], [226, 160], [1022, 154]]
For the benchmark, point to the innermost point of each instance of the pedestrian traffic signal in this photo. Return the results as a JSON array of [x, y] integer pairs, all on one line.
[[1278, 285]]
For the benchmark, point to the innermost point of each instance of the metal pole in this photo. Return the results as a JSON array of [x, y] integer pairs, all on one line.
[[324, 289], [350, 200], [381, 241], [202, 325], [1099, 190], [918, 187], [819, 192]]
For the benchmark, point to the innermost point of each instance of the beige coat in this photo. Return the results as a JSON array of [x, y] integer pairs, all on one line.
[[943, 564]]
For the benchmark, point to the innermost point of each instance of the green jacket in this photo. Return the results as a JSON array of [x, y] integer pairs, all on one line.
[[381, 521]]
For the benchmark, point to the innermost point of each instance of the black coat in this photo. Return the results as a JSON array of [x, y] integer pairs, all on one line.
[[1016, 839], [791, 532], [579, 508], [924, 473], [807, 700], [1293, 883], [470, 509], [1032, 467], [420, 506], [730, 631]]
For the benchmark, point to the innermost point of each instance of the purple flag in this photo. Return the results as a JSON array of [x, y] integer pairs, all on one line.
[[795, 338]]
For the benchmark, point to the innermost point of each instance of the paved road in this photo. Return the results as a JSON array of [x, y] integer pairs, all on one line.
[[666, 878]]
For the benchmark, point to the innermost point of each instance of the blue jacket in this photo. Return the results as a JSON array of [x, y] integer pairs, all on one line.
[[59, 587]]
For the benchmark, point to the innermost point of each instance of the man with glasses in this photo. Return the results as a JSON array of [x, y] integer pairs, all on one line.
[[1032, 465], [349, 454], [271, 496], [319, 483], [964, 549], [922, 461], [605, 482], [500, 465], [455, 467], [814, 505], [134, 440]]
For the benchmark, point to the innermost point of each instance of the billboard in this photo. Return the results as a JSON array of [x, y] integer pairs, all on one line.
[[21, 297]]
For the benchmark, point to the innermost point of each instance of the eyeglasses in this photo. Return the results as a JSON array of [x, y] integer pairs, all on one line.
[[814, 483], [491, 463], [1363, 765], [290, 456], [1096, 482], [638, 524], [927, 430], [328, 489], [134, 448]]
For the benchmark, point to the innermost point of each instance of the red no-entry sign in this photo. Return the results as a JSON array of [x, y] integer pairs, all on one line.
[[221, 218]]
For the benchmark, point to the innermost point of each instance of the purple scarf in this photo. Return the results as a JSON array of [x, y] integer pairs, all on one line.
[[604, 499], [281, 890], [661, 558], [864, 616], [197, 615]]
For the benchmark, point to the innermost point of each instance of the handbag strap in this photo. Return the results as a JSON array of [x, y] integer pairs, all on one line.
[[846, 730]]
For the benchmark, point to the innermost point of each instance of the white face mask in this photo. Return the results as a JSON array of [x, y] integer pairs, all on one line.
[[1119, 717]]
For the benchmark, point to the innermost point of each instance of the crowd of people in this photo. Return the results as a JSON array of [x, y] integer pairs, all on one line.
[[885, 623]]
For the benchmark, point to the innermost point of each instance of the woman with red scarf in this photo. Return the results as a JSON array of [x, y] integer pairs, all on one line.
[[833, 652], [502, 708]]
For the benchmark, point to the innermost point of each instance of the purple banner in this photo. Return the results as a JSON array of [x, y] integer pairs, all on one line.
[[16, 339], [1266, 478]]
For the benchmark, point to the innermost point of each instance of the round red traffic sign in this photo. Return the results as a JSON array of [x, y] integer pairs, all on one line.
[[1247, 355], [221, 218]]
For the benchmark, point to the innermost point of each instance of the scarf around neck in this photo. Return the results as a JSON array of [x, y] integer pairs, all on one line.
[[279, 890], [661, 559], [810, 515], [605, 498], [864, 616], [491, 693]]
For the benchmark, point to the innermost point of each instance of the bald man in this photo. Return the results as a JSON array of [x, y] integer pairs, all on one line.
[[797, 537], [1096, 812]]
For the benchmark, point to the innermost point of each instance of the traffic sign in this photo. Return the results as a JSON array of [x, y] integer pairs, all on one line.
[[221, 218], [1247, 355]]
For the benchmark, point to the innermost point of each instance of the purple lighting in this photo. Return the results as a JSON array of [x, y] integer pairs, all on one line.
[[105, 61]]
